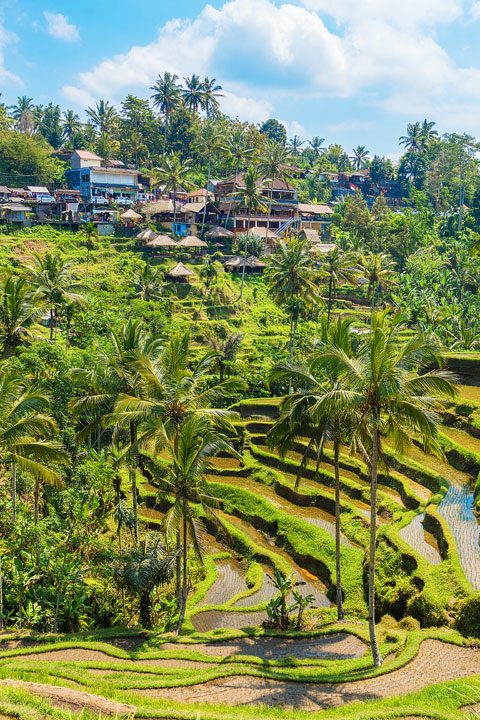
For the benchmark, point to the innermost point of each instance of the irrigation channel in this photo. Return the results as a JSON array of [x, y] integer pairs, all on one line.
[[457, 509], [420, 540]]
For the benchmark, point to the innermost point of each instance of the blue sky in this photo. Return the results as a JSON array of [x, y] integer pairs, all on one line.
[[351, 71]]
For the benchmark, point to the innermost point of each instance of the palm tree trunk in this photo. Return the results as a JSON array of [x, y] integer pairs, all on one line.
[[330, 298], [338, 561], [377, 658], [52, 316], [14, 492], [36, 501], [184, 574], [174, 208], [133, 481], [270, 203], [145, 606], [245, 255], [1, 596], [206, 196]]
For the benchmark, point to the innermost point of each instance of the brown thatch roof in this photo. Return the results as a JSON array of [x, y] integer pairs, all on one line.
[[158, 207], [261, 232], [180, 270], [130, 215], [162, 241], [146, 235], [193, 207], [323, 248], [192, 242], [219, 232], [313, 209], [238, 261], [311, 235]]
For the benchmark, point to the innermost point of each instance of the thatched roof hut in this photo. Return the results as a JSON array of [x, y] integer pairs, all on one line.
[[311, 235], [131, 215], [219, 232], [162, 241], [192, 243], [322, 248], [180, 273], [146, 235], [252, 264]]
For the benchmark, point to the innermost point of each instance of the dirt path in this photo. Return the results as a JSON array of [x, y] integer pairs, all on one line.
[[340, 646], [72, 699], [436, 662], [95, 656]]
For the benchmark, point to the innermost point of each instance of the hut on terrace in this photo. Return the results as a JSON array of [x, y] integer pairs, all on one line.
[[180, 273], [252, 264], [193, 243]]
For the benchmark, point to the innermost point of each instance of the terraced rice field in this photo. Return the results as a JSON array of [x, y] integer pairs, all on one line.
[[457, 509], [420, 540]]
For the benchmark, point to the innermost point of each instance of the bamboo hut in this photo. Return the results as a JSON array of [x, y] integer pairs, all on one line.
[[180, 273], [193, 243]]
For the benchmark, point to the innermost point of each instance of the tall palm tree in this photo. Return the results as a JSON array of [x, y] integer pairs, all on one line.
[[413, 140], [174, 389], [428, 133], [23, 114], [174, 174], [143, 570], [316, 145], [391, 400], [320, 409], [167, 97], [226, 350], [193, 94], [359, 157], [211, 94], [378, 270], [113, 374], [104, 117], [291, 276], [238, 154], [70, 125], [149, 282], [26, 432], [275, 165], [295, 144], [18, 312], [250, 192], [338, 267], [197, 442], [90, 231], [51, 279]]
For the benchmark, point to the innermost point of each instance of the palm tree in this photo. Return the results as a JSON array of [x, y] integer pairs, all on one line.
[[104, 117], [193, 94], [51, 279], [359, 157], [389, 399], [173, 174], [173, 389], [428, 133], [25, 436], [167, 97], [113, 374], [196, 443], [296, 143], [17, 312], [149, 282], [316, 145], [413, 140], [378, 270], [291, 277], [339, 267], [70, 125], [251, 195], [90, 231], [225, 349], [210, 94], [143, 570], [275, 165], [238, 154], [23, 114], [319, 408]]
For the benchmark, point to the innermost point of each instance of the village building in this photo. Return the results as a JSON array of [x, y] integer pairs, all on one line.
[[102, 185]]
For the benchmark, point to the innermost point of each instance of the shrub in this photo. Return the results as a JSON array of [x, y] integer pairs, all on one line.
[[409, 623], [427, 609], [468, 618]]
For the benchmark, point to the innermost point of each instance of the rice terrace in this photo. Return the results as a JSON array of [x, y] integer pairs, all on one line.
[[240, 361]]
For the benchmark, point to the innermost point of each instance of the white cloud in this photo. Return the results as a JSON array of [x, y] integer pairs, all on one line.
[[262, 52], [475, 11], [59, 27], [7, 38]]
